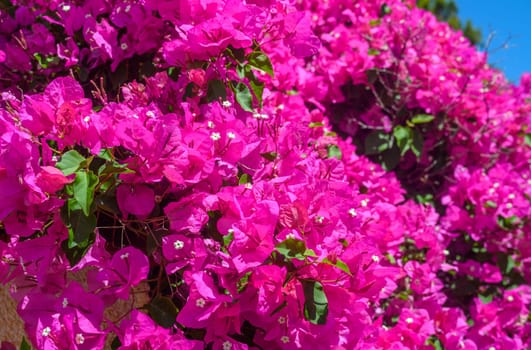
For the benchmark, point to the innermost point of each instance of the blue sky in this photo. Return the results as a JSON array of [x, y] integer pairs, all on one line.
[[509, 24]]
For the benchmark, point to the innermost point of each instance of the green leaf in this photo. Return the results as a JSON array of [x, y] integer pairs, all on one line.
[[80, 228], [84, 186], [75, 254], [315, 125], [490, 204], [376, 142], [242, 283], [417, 144], [373, 52], [260, 61], [70, 162], [25, 345], [385, 10], [237, 54], [422, 118], [294, 248], [228, 238], [485, 299], [270, 156], [216, 91], [334, 152], [116, 343], [258, 90], [163, 311], [244, 179], [244, 97], [390, 158], [339, 264], [527, 139], [315, 302], [402, 136]]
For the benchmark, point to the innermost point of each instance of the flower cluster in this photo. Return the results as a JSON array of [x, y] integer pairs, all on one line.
[[260, 175]]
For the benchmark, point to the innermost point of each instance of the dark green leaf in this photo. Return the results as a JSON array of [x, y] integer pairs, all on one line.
[[390, 158], [527, 139], [80, 228], [116, 343], [270, 156], [385, 10], [422, 118], [334, 152], [84, 186], [339, 264], [376, 142], [244, 179], [417, 144], [315, 302], [403, 137], [258, 89], [163, 311], [25, 345], [260, 61], [292, 248], [315, 125], [75, 254], [243, 96], [237, 54], [216, 91], [70, 162], [485, 299], [228, 238]]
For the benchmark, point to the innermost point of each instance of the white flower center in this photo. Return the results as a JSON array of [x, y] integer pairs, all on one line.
[[200, 302], [80, 339], [178, 244], [284, 339], [46, 331], [215, 136]]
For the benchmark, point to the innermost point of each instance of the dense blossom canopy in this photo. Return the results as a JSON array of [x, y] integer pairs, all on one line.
[[271, 174]]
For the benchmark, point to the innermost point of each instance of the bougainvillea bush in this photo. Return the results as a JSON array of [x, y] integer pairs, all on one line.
[[268, 174]]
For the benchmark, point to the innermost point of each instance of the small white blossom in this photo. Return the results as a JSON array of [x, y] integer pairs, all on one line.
[[46, 331], [281, 320], [226, 104], [319, 219], [200, 302], [65, 302], [227, 345], [284, 339], [231, 135], [364, 202], [124, 256], [178, 244], [80, 339], [352, 212], [124, 46], [409, 320], [215, 136]]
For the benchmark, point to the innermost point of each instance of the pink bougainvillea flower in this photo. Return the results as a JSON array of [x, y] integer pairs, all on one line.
[[136, 199]]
